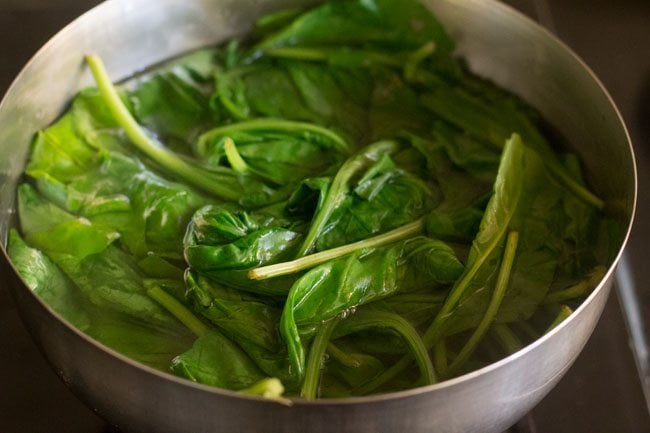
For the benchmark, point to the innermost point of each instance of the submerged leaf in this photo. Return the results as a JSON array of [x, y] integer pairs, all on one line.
[[379, 23], [217, 361], [339, 286], [47, 281]]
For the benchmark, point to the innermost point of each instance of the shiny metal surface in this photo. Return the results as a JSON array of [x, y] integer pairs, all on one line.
[[499, 44]]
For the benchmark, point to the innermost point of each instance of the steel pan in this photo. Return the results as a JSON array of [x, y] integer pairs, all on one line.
[[498, 43]]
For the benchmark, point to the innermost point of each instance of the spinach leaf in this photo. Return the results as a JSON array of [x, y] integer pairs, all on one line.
[[239, 315], [459, 188], [107, 186], [542, 245], [462, 309], [47, 281], [351, 366], [217, 361], [336, 98], [538, 218], [225, 184], [339, 286], [279, 151], [455, 225], [92, 122], [337, 192], [140, 340], [462, 305], [378, 23], [493, 121], [84, 252], [174, 105], [471, 155], [386, 197], [583, 232], [224, 244], [308, 198], [394, 107], [252, 321], [143, 342], [120, 193], [58, 153]]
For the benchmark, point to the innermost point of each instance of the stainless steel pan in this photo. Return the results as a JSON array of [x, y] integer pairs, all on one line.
[[498, 42]]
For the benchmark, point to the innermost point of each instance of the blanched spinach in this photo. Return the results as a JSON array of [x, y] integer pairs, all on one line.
[[320, 206]]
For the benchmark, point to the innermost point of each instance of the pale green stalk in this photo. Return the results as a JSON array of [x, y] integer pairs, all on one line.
[[365, 320], [563, 314], [578, 290], [178, 310], [310, 261], [271, 124], [414, 60], [500, 289], [270, 388], [315, 360], [146, 144], [342, 357], [337, 191], [508, 339], [234, 158], [440, 357]]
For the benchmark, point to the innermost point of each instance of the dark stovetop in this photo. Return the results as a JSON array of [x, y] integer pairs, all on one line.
[[601, 393]]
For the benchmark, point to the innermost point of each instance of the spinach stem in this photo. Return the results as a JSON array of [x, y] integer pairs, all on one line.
[[440, 357], [315, 360], [581, 192], [434, 332], [577, 290], [339, 187], [564, 313], [270, 387], [432, 341], [234, 158], [500, 289], [366, 319], [363, 57], [497, 234], [310, 261], [147, 145], [495, 237], [178, 310], [414, 60], [527, 329], [506, 338], [344, 358], [232, 108], [276, 20], [307, 130], [298, 53], [386, 376]]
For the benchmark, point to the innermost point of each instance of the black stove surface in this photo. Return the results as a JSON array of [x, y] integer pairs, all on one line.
[[601, 393]]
